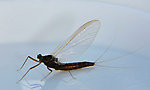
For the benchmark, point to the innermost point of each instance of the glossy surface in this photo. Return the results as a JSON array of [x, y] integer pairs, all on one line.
[[23, 23]]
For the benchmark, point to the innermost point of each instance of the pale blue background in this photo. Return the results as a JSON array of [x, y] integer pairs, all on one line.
[[33, 27]]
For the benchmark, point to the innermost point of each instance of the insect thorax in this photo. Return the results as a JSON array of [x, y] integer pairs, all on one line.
[[49, 60]]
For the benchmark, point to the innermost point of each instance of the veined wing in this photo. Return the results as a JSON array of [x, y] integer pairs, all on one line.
[[77, 43]]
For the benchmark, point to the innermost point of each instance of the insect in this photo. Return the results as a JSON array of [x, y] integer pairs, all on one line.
[[72, 48]]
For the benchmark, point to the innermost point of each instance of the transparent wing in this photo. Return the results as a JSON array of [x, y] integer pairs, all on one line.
[[77, 43]]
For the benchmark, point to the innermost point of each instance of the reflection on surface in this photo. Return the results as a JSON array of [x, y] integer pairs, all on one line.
[[32, 84], [134, 33]]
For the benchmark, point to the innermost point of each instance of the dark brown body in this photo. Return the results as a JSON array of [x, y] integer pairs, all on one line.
[[76, 65], [70, 66], [53, 62]]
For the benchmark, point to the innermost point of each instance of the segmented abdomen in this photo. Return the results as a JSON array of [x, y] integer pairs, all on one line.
[[73, 66]]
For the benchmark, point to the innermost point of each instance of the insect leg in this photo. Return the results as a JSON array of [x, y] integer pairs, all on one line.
[[28, 71], [26, 61], [71, 75], [47, 74]]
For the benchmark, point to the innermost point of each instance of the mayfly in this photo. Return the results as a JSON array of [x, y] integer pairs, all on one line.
[[73, 47]]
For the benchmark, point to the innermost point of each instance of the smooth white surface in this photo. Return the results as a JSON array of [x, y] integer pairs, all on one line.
[[132, 72], [142, 5], [24, 23]]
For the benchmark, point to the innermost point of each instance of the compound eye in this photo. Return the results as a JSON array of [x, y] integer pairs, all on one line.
[[39, 56]]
